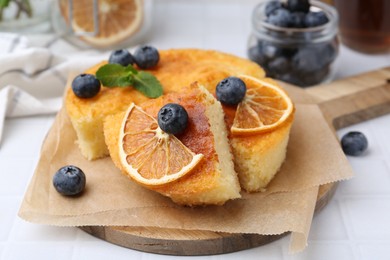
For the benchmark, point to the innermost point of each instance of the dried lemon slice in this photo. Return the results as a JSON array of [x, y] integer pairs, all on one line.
[[118, 19], [264, 107], [149, 155]]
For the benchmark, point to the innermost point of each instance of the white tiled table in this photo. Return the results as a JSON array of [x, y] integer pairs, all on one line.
[[354, 225]]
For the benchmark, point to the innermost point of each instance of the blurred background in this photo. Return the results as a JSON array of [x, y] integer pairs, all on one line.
[[42, 41], [97, 26]]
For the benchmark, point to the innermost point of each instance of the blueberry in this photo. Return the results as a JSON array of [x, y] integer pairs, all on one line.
[[307, 60], [280, 17], [172, 118], [313, 78], [85, 86], [327, 53], [354, 143], [314, 19], [297, 20], [288, 52], [298, 5], [69, 180], [146, 57], [279, 65], [270, 51], [272, 6], [290, 78], [256, 54], [230, 91], [122, 57]]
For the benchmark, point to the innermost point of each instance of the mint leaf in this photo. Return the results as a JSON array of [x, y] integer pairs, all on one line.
[[115, 75], [4, 3], [147, 84]]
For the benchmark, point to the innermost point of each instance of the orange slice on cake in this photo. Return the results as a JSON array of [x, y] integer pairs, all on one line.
[[264, 107], [149, 155], [118, 19]]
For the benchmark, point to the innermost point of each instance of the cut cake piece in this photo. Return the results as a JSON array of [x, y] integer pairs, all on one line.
[[258, 157], [213, 180]]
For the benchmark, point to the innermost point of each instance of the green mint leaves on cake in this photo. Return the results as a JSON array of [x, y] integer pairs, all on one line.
[[116, 75]]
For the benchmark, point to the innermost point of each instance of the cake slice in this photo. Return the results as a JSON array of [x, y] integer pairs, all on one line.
[[213, 180], [259, 132]]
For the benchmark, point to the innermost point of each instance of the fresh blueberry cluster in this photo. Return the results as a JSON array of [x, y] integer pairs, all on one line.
[[145, 57], [302, 63]]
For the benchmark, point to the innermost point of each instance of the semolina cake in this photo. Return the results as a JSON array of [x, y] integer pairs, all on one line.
[[213, 180], [257, 158], [175, 70]]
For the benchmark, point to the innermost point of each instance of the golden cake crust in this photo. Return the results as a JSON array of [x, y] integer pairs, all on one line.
[[176, 69]]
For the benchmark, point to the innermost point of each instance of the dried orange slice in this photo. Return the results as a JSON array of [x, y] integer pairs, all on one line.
[[264, 107], [149, 155], [118, 19]]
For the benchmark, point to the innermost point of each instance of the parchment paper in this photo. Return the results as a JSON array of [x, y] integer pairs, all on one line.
[[314, 158]]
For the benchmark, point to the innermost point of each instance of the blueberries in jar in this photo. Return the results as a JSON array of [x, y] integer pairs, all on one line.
[[122, 57], [307, 60], [270, 51], [297, 20], [301, 57], [279, 65], [85, 86], [288, 51], [314, 19], [172, 118], [69, 180], [290, 78], [354, 143], [329, 53], [298, 5], [313, 78], [280, 17], [272, 6], [256, 54]]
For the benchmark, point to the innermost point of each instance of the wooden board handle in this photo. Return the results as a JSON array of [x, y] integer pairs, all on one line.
[[355, 99]]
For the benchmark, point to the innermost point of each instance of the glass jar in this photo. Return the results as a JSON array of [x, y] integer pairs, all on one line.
[[97, 23], [300, 56], [26, 16], [365, 25]]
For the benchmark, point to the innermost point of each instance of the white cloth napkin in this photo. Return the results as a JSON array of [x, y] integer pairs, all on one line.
[[32, 78]]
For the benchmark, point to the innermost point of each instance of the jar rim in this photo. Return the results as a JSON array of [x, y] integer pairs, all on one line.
[[324, 32]]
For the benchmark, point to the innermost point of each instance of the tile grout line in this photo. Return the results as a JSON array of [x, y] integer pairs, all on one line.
[[348, 228]]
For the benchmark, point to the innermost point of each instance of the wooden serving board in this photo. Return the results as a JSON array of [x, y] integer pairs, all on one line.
[[344, 102]]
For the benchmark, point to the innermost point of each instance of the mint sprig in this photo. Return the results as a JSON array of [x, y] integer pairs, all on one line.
[[116, 75]]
